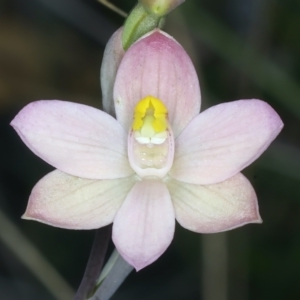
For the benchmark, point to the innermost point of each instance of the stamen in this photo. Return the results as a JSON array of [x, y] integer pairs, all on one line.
[[151, 141], [150, 119]]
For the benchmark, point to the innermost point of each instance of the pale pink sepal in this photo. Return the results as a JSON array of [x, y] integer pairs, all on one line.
[[216, 207], [223, 140], [65, 201], [112, 57], [77, 139], [144, 225], [158, 66]]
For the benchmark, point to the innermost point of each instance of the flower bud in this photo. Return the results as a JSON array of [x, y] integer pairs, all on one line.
[[138, 23], [160, 7]]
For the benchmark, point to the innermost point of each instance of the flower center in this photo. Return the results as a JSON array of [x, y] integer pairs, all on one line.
[[151, 141], [150, 121]]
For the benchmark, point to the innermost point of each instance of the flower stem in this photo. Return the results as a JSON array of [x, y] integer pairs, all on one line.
[[95, 263], [113, 8], [114, 273]]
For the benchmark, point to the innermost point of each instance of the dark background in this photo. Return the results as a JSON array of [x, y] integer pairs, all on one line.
[[52, 49]]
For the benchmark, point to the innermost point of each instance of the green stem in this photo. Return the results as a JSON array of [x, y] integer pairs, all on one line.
[[113, 275], [95, 263]]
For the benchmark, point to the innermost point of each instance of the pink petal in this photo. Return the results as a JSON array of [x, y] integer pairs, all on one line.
[[65, 201], [74, 138], [223, 140], [157, 65], [144, 225], [216, 207], [112, 57]]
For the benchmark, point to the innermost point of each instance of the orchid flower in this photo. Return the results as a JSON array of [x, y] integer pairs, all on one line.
[[158, 161]]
